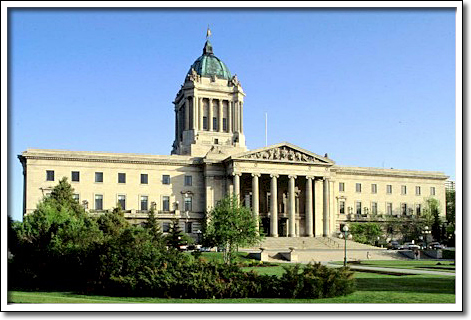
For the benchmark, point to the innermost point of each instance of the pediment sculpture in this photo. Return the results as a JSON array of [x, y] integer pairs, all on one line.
[[283, 154]]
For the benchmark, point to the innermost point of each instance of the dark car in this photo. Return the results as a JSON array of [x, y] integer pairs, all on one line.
[[394, 245]]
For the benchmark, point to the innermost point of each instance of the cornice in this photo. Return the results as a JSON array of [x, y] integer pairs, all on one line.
[[389, 173]]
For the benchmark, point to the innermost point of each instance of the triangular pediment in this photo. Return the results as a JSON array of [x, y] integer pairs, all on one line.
[[284, 152]]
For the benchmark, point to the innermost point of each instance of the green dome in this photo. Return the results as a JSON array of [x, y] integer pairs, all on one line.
[[209, 65]]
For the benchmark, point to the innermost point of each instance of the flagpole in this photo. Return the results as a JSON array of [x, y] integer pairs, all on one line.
[[266, 129]]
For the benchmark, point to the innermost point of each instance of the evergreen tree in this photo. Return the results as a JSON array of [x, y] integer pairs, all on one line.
[[152, 225], [176, 237]]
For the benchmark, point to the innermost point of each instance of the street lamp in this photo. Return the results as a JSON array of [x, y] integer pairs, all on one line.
[[426, 232], [345, 235]]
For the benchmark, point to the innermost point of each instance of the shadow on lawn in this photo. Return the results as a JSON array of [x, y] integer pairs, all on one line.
[[407, 284]]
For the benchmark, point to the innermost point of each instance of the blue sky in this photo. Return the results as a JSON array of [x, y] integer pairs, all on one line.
[[372, 88]]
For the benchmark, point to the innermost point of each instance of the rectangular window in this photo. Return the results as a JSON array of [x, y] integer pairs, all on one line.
[[166, 203], [216, 141], [358, 187], [76, 197], [358, 207], [205, 123], [98, 176], [403, 190], [418, 209], [215, 124], [98, 202], [374, 208], [166, 179], [122, 201], [432, 191], [389, 208], [374, 188], [417, 191], [224, 124], [49, 175], [188, 203], [188, 227], [166, 227], [75, 176], [121, 178], [341, 186], [144, 203], [188, 181], [144, 178], [404, 209], [342, 207], [389, 189]]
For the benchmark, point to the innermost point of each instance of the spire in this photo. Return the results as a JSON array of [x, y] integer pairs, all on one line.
[[208, 33], [208, 48]]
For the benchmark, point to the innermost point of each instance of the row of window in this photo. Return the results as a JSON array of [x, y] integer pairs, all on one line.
[[389, 189], [143, 203], [405, 209], [215, 124], [75, 177]]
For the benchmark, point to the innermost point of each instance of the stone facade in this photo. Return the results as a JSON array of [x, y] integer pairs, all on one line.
[[294, 192]]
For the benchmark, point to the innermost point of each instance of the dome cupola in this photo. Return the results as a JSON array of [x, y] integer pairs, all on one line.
[[208, 65]]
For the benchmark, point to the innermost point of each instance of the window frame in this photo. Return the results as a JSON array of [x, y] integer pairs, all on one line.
[[374, 188], [164, 181], [75, 174], [166, 200], [48, 175], [341, 186], [185, 203], [358, 187], [389, 189], [188, 178], [97, 175], [146, 202], [95, 203], [121, 174], [146, 175], [119, 201]]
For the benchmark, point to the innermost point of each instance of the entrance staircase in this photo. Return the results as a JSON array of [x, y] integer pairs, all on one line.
[[322, 249]]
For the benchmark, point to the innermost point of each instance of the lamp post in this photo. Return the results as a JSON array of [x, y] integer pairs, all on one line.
[[426, 232], [345, 234]]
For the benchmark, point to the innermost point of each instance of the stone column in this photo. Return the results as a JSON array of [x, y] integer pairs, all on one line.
[[237, 185], [291, 206], [229, 116], [187, 115], [236, 117], [220, 115], [176, 126], [255, 196], [210, 115], [195, 113], [326, 230], [309, 217], [200, 113], [274, 205]]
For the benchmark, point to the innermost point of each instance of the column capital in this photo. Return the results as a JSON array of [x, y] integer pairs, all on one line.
[[256, 175], [237, 174], [292, 176], [326, 178], [310, 178], [274, 175]]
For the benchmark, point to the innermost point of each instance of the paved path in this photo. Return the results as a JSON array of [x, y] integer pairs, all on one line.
[[406, 271]]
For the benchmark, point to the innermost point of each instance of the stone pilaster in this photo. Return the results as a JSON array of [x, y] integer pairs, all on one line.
[[229, 116], [187, 115]]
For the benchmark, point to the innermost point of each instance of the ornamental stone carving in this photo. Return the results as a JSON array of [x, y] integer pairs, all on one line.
[[283, 154]]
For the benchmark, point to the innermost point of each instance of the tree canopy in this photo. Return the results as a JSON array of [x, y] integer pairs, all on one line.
[[231, 225]]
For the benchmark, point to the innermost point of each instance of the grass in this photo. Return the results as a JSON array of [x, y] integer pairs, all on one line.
[[371, 288], [445, 266]]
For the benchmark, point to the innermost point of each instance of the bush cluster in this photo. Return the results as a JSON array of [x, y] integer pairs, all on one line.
[[60, 247]]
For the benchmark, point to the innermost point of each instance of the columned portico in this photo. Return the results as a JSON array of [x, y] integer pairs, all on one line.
[[274, 205]]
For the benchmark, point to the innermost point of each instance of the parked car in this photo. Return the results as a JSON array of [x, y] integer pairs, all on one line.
[[437, 245], [393, 245], [410, 246]]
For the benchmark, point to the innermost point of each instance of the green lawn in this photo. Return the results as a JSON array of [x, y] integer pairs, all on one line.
[[371, 288], [434, 265]]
